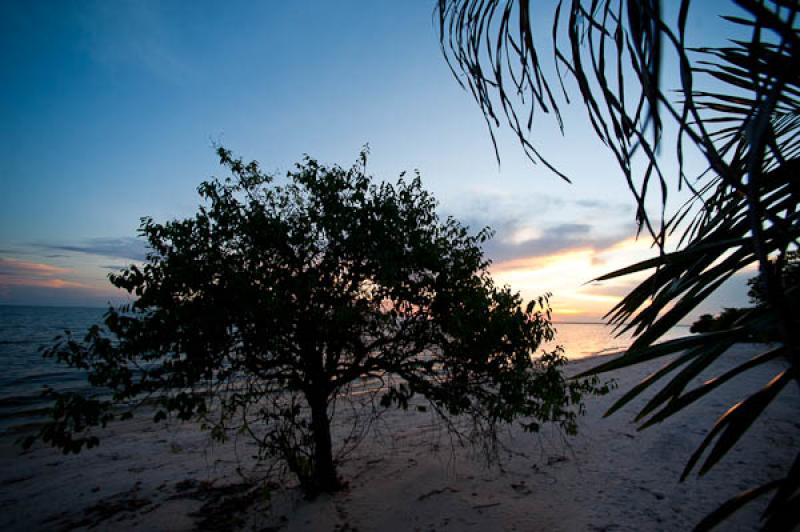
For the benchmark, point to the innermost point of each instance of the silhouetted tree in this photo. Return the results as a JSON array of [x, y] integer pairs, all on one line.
[[276, 302], [789, 273], [704, 324], [737, 105], [722, 322]]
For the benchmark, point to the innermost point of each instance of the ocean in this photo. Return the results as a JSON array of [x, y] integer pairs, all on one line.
[[582, 340], [24, 330]]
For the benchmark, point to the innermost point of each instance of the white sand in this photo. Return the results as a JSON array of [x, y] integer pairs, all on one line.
[[609, 477]]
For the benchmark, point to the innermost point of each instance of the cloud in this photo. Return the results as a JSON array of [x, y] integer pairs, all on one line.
[[552, 240], [568, 276], [24, 282], [612, 206], [567, 272], [113, 267], [591, 204], [496, 207], [131, 33], [618, 288], [122, 248], [544, 224], [23, 267], [15, 272], [501, 209]]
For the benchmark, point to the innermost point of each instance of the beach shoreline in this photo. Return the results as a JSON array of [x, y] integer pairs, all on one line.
[[406, 476]]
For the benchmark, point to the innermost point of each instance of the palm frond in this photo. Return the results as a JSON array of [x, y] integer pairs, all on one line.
[[738, 105]]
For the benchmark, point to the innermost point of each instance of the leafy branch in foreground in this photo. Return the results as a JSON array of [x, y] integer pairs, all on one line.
[[276, 303], [738, 106]]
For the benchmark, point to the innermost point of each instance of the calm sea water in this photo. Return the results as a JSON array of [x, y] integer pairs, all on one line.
[[24, 330], [581, 340]]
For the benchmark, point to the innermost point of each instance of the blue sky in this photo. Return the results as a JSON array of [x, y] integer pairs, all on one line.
[[110, 111]]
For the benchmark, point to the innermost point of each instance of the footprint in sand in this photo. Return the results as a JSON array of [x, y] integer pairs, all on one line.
[[521, 488]]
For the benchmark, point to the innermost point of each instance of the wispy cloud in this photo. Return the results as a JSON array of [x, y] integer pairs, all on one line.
[[601, 205], [525, 242], [113, 267], [493, 206], [122, 247], [544, 224], [15, 272], [22, 267], [130, 33], [34, 282]]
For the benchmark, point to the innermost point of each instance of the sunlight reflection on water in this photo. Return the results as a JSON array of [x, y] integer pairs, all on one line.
[[581, 340]]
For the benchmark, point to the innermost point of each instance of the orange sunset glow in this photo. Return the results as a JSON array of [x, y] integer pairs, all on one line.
[[568, 275]]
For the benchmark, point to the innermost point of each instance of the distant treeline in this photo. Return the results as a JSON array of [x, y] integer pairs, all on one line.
[[729, 317]]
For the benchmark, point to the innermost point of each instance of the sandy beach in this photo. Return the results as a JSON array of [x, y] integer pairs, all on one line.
[[406, 476]]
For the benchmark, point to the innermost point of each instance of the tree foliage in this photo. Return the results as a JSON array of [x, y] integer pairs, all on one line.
[[736, 104], [723, 321], [728, 318], [278, 301], [789, 273]]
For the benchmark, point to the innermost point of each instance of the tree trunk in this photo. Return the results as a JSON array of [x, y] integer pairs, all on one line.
[[324, 477]]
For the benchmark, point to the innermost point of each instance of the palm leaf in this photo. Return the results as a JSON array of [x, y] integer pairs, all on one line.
[[735, 422], [692, 396], [731, 505], [738, 105]]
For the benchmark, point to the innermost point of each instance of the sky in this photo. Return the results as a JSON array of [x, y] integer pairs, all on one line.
[[111, 109]]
